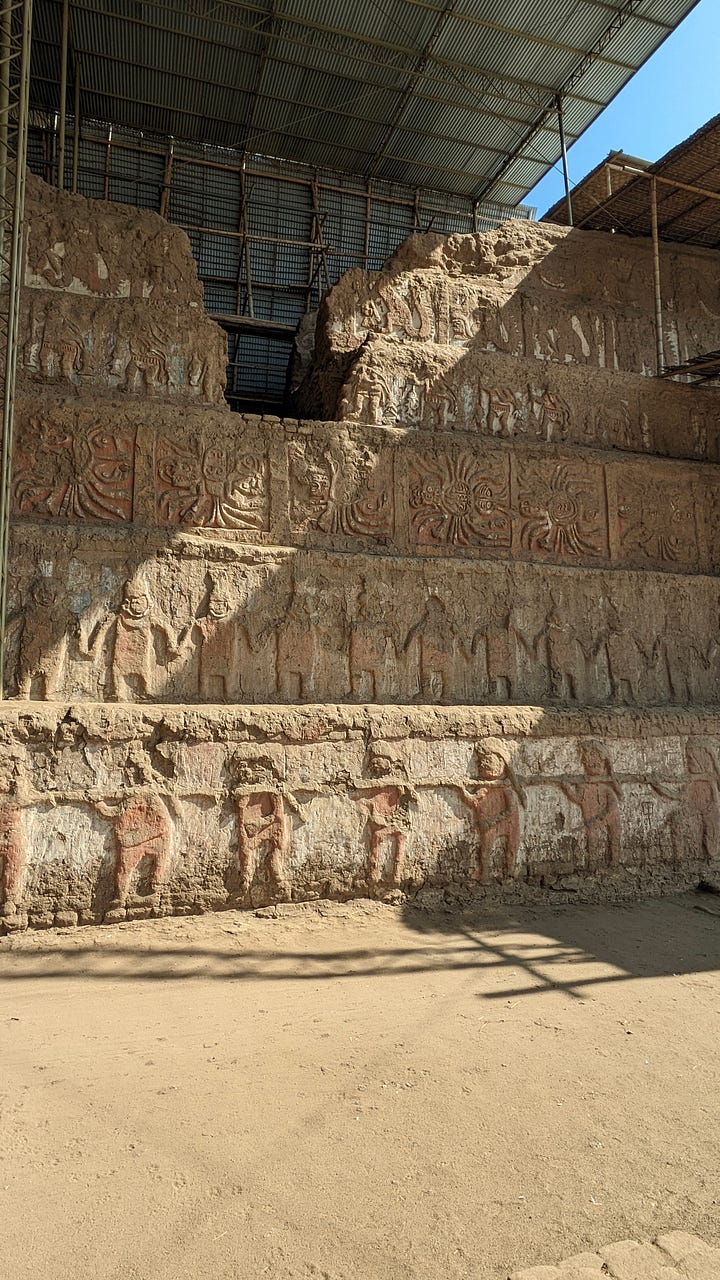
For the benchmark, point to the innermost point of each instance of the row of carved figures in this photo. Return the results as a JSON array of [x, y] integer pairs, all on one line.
[[150, 360], [141, 818], [316, 653]]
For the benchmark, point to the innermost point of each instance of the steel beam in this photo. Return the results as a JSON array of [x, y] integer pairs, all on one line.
[[62, 115], [16, 28]]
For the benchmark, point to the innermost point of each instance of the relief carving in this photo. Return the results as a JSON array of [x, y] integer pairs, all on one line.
[[694, 822], [438, 653], [495, 640], [79, 475], [263, 837], [374, 664], [562, 510], [141, 825], [598, 797], [389, 821], [222, 642], [656, 522], [566, 656], [495, 802], [42, 629], [212, 487], [312, 645], [460, 499], [16, 793], [351, 495], [140, 644], [627, 657], [366, 396]]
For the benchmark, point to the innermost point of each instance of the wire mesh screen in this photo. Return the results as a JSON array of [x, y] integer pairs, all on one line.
[[269, 237]]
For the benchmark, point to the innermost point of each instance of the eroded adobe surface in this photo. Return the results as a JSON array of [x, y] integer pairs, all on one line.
[[456, 638]]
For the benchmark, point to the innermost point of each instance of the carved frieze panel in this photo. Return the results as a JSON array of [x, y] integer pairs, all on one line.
[[561, 510], [345, 491], [460, 499], [657, 521], [73, 473], [141, 825], [90, 344], [212, 486]]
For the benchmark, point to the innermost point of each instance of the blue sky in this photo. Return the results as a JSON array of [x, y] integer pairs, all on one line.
[[676, 91]]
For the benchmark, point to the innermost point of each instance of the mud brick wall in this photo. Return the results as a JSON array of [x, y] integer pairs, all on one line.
[[456, 638], [117, 812]]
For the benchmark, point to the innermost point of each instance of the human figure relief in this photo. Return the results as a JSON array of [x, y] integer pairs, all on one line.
[[388, 824], [566, 656], [504, 412], [141, 825], [598, 797], [223, 643], [695, 821], [262, 821], [61, 353], [134, 634], [363, 399], [373, 655], [461, 314], [43, 626], [497, 640], [312, 645], [495, 802], [441, 653], [15, 795], [682, 658], [626, 657]]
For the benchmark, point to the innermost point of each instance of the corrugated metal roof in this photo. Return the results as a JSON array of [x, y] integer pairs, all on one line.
[[683, 215], [458, 94]]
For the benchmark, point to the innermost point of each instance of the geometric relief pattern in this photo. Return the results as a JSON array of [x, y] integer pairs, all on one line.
[[81, 475], [562, 510], [460, 499], [656, 522], [211, 487]]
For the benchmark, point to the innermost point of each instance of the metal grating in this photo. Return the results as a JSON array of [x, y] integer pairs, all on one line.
[[268, 236]]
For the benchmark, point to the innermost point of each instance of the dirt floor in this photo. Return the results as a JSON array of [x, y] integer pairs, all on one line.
[[357, 1091]]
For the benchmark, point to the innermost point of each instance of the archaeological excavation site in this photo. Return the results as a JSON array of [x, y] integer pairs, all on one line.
[[448, 633], [359, 640]]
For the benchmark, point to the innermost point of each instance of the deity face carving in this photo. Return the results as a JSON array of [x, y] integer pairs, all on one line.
[[44, 594], [135, 604], [218, 606]]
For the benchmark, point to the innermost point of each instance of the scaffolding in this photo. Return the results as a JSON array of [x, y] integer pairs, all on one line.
[[269, 236], [15, 36]]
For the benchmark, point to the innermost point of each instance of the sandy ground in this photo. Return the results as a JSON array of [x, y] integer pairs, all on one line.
[[357, 1091]]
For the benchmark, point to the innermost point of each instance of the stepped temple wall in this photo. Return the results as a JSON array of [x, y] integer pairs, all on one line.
[[452, 633]]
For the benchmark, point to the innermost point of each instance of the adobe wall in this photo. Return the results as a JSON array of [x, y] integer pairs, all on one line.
[[457, 638]]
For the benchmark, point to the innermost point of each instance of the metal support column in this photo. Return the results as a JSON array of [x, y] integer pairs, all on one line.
[[15, 33], [659, 342], [566, 173], [76, 129], [63, 92]]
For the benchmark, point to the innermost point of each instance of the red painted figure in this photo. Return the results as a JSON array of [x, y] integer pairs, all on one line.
[[388, 822], [495, 803], [598, 797], [262, 821]]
